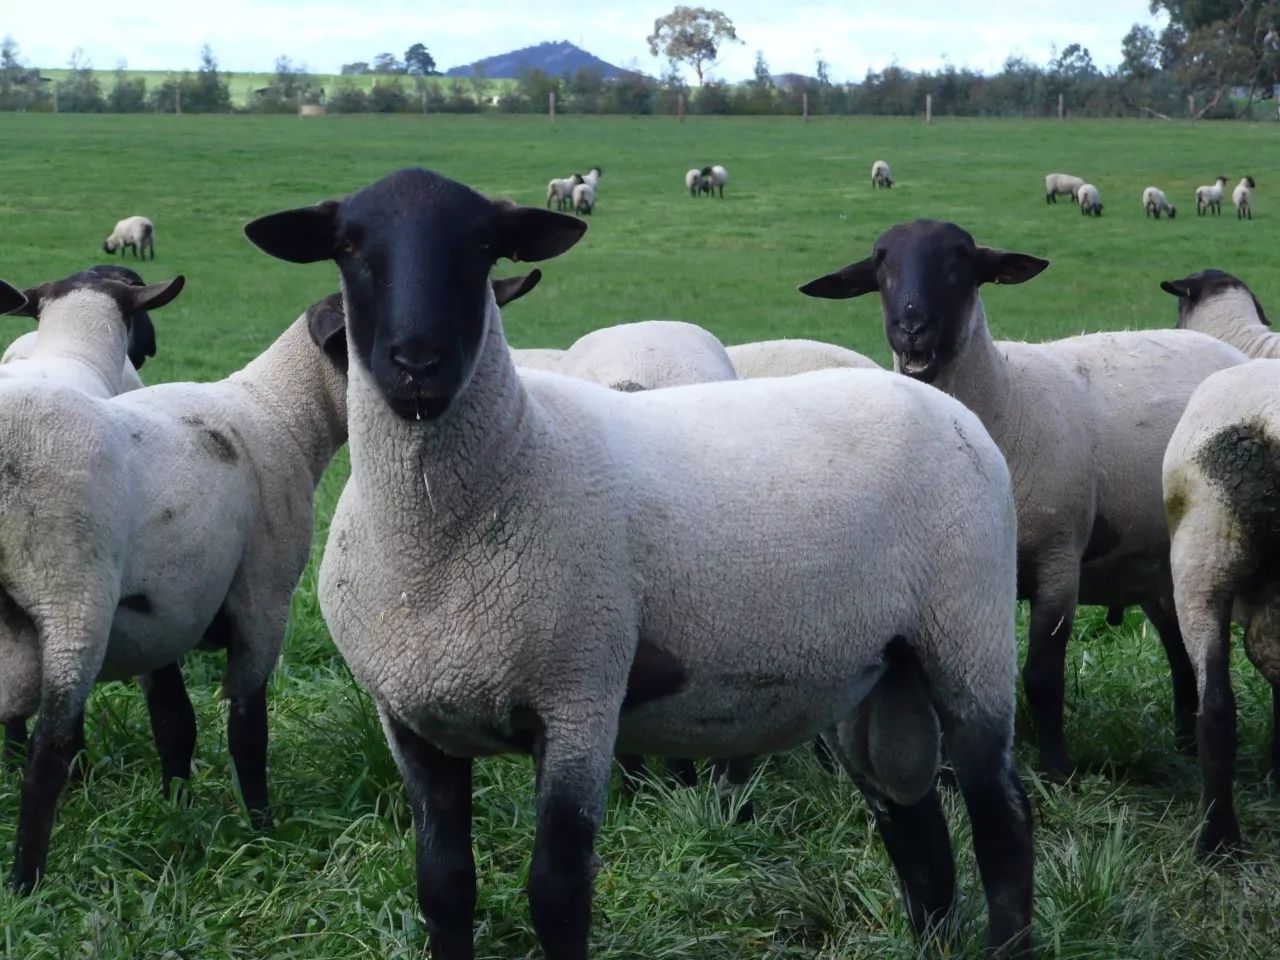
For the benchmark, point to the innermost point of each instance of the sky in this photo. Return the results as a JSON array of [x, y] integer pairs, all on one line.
[[248, 35]]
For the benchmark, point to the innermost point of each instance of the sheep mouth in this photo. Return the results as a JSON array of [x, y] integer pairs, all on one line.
[[918, 364]]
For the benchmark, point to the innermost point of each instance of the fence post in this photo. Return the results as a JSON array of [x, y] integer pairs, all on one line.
[[299, 104], [1062, 113], [1191, 105], [805, 98], [177, 99], [55, 98], [551, 105], [680, 106], [424, 100], [928, 108]]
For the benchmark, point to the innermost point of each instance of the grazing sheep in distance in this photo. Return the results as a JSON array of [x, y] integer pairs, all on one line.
[[1090, 201], [719, 177], [1154, 202], [1056, 183], [610, 545], [1222, 497], [693, 181], [1210, 197], [1222, 306], [134, 233], [881, 175], [1083, 423], [584, 199], [561, 190], [1242, 197]]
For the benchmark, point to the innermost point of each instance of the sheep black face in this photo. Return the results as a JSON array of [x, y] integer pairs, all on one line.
[[1196, 289], [928, 273], [415, 250]]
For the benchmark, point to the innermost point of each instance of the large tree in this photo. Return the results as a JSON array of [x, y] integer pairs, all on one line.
[[1227, 43], [418, 61], [693, 36]]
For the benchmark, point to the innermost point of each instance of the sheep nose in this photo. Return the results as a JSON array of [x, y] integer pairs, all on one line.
[[418, 364]]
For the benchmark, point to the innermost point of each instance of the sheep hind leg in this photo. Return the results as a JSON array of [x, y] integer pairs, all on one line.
[[173, 723], [15, 743], [731, 776], [1185, 696]]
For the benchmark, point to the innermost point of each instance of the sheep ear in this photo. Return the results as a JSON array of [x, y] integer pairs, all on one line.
[[32, 296], [1001, 266], [142, 339], [851, 281], [153, 296], [531, 233], [303, 235], [327, 324], [1188, 288], [11, 298], [513, 288]]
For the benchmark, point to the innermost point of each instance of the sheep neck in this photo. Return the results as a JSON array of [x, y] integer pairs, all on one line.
[[1232, 318], [446, 470], [87, 329], [978, 376], [299, 388]]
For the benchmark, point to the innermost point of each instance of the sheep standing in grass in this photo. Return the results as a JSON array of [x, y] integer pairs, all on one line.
[[1090, 201], [1061, 183], [881, 175], [693, 181], [584, 199], [561, 190], [132, 233], [1220, 305], [147, 524], [1242, 197], [1210, 197], [719, 176], [1083, 423], [1222, 497], [1154, 202], [529, 563], [785, 358]]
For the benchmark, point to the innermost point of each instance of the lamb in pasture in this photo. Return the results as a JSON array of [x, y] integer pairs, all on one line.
[[648, 355], [1061, 183], [881, 175], [132, 233], [719, 176], [1083, 423], [584, 199], [693, 182], [526, 562], [561, 190], [1090, 201], [1222, 497], [1210, 197], [785, 358], [126, 567], [1220, 305], [1242, 197], [1154, 202], [141, 342]]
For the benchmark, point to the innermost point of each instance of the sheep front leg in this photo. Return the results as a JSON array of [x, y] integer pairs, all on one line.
[[572, 783], [253, 646], [439, 791], [1053, 610], [173, 722], [1185, 695]]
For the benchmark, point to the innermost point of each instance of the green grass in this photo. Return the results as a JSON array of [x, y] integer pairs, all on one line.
[[134, 876]]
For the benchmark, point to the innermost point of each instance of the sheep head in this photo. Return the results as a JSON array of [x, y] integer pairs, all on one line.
[[928, 273], [415, 250]]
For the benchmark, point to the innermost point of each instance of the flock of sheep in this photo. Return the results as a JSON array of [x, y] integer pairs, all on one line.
[[1154, 200], [567, 553]]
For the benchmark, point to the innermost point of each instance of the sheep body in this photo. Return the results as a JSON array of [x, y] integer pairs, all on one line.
[[784, 358], [1061, 183], [1242, 198], [648, 355], [719, 177], [132, 233], [1222, 493], [1090, 201], [538, 358], [162, 518], [560, 190], [1154, 203], [693, 181], [881, 176], [584, 199], [1209, 197]]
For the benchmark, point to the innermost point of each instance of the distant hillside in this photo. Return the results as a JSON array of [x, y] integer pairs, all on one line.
[[554, 59]]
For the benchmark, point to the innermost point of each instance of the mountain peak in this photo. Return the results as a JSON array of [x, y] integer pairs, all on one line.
[[554, 58]]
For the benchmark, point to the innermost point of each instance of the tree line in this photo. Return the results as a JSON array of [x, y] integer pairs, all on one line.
[[1215, 58]]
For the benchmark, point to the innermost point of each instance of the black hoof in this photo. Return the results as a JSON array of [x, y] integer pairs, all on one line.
[[1219, 843]]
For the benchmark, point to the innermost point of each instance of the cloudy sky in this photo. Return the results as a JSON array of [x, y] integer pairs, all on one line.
[[323, 34]]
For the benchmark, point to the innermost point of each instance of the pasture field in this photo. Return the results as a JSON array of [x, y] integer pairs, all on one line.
[[134, 876]]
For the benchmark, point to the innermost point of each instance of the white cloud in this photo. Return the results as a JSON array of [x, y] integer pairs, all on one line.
[[250, 34]]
